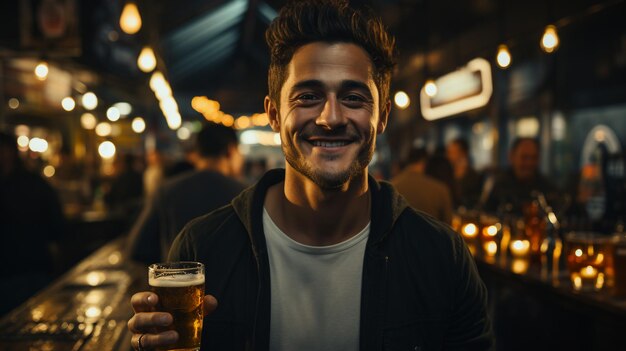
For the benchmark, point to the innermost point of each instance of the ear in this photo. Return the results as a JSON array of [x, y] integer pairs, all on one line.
[[383, 118], [272, 113]]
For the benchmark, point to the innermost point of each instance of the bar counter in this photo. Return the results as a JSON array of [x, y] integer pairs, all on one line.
[[88, 307]]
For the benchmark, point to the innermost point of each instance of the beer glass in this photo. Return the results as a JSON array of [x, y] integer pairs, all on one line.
[[180, 287], [587, 259]]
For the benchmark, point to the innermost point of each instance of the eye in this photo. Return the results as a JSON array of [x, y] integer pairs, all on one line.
[[307, 97], [354, 98]]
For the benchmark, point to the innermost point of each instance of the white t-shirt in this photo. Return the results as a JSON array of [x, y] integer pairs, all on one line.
[[316, 292]]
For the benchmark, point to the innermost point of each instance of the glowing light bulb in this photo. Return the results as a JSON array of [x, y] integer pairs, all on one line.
[[41, 71], [430, 88], [68, 104], [402, 100], [130, 20], [146, 60], [106, 149], [550, 39], [504, 56], [113, 114], [90, 101], [138, 125]]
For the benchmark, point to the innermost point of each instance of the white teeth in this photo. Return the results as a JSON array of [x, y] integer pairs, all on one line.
[[330, 143]]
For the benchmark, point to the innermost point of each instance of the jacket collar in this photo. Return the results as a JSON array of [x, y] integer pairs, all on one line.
[[387, 205]]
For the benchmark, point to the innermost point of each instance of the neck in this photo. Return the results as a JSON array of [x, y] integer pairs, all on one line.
[[460, 167], [314, 216], [217, 164]]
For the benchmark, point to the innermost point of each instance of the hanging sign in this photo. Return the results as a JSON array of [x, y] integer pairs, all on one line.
[[465, 89]]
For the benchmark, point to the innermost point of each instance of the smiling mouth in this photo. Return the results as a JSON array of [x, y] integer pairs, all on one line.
[[329, 144]]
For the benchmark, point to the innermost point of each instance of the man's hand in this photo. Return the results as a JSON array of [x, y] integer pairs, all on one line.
[[146, 322]]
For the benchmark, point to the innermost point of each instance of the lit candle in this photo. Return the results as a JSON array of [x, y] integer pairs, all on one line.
[[491, 248], [519, 248], [470, 230], [589, 272]]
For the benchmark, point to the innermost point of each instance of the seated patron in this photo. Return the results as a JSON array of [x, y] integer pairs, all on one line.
[[515, 186]]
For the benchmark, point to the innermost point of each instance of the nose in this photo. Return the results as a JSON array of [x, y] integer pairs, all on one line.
[[331, 116]]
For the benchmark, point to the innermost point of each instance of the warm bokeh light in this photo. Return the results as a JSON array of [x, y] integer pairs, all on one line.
[[38, 145], [103, 129], [550, 39], [113, 114], [504, 56], [174, 120], [49, 171], [519, 248], [88, 121], [68, 104], [146, 60], [402, 100], [90, 101], [14, 103], [491, 248], [183, 133], [41, 70], [242, 122], [106, 149], [22, 129], [469, 230], [430, 88], [124, 107], [277, 140], [260, 119], [130, 20], [22, 141], [138, 125], [491, 230]]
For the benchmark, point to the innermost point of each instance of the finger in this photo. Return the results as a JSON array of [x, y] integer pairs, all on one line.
[[144, 301], [143, 322], [210, 304], [152, 341]]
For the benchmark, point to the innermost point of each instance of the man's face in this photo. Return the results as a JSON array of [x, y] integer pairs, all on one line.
[[329, 113], [454, 153], [525, 160]]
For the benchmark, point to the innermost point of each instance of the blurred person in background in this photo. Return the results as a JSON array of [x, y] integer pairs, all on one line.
[[514, 187], [423, 192], [31, 223], [438, 167], [189, 195], [469, 182], [126, 189], [153, 174]]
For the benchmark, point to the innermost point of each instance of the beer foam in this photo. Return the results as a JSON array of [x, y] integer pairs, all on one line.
[[176, 281]]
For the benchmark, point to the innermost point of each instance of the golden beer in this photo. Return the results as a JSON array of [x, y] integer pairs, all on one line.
[[180, 287]]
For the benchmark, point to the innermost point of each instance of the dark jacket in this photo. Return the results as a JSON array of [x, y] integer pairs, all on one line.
[[420, 288]]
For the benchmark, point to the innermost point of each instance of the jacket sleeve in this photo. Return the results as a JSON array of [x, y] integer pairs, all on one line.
[[469, 327]]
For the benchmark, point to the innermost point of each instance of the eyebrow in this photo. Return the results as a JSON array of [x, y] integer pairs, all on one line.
[[345, 85]]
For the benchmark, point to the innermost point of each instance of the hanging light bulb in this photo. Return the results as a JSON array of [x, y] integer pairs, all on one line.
[[503, 57], [146, 60], [130, 21], [430, 88], [550, 39], [90, 101], [41, 71]]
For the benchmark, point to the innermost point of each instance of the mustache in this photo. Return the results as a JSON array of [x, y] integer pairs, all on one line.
[[339, 133]]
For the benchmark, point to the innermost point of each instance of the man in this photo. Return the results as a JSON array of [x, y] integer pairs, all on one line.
[[515, 186], [320, 256], [189, 195], [423, 192], [468, 180]]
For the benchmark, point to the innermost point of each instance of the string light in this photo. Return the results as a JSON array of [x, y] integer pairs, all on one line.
[[146, 60], [41, 70], [402, 100], [130, 20], [550, 39]]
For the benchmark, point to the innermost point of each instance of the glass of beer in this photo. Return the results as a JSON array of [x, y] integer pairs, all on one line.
[[180, 287]]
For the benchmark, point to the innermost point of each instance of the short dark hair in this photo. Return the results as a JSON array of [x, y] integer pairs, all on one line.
[[214, 139], [517, 141], [462, 143], [416, 155], [305, 21]]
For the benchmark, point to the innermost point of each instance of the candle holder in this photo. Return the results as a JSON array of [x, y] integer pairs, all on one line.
[[586, 254]]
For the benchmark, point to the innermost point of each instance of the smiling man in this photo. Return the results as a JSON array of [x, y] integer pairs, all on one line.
[[320, 256]]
